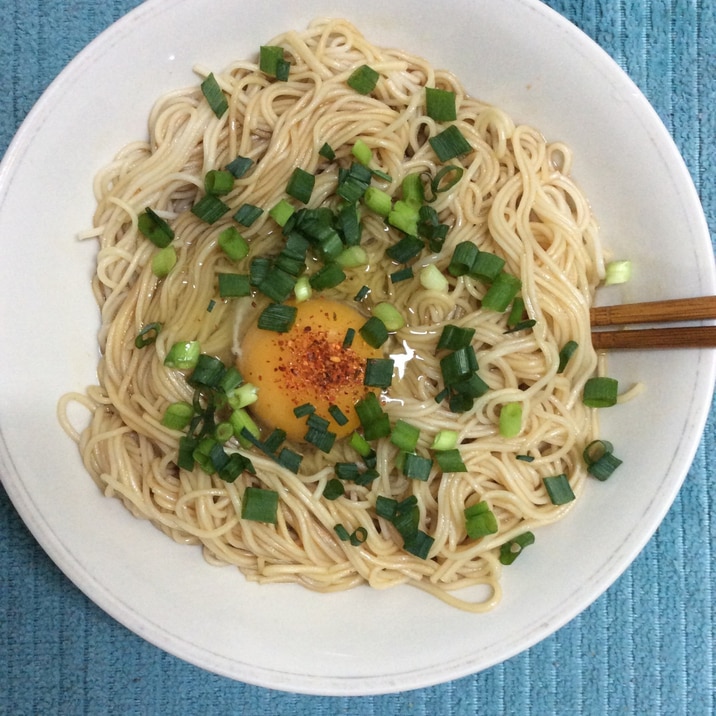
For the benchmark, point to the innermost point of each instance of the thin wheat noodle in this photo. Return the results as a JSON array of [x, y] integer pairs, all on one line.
[[515, 198]]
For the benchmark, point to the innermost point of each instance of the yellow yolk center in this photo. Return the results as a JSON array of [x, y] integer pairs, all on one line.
[[308, 364]]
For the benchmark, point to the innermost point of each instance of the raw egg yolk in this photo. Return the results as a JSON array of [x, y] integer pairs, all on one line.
[[308, 364]]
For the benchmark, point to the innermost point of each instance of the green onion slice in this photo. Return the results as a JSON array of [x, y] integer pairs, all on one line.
[[559, 490], [260, 505], [277, 317], [600, 392], [214, 95], [512, 549], [147, 335], [363, 79], [156, 229], [450, 143], [440, 104]]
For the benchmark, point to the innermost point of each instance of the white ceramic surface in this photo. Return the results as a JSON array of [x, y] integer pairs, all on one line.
[[515, 53]]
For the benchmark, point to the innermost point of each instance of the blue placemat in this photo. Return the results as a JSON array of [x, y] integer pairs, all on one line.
[[645, 647]]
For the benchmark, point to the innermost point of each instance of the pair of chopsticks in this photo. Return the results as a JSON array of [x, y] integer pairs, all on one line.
[[676, 310]]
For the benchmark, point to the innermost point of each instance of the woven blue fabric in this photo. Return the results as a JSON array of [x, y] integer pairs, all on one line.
[[644, 647]]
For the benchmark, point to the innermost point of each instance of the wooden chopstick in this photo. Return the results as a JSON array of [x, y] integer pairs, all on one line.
[[686, 309], [678, 309]]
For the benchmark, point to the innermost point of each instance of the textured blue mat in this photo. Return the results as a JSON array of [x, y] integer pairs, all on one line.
[[645, 647]]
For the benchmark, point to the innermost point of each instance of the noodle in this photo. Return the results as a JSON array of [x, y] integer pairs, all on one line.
[[515, 199]]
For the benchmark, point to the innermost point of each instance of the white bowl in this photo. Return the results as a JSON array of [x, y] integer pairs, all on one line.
[[517, 54]]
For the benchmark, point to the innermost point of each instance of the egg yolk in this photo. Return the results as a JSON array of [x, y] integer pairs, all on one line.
[[308, 364]]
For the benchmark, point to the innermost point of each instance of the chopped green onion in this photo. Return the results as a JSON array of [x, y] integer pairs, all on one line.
[[178, 415], [244, 426], [337, 414], [277, 284], [317, 421], [362, 152], [300, 185], [407, 248], [444, 440], [147, 335], [417, 467], [183, 355], [244, 395], [342, 533], [258, 269], [480, 521], [260, 505], [565, 354], [412, 189], [559, 490], [446, 178], [600, 460], [432, 279], [347, 470], [524, 458], [322, 439], [405, 216], [458, 365], [224, 431], [472, 387], [510, 420], [208, 371], [405, 436], [516, 312], [374, 332], [352, 257], [303, 410], [450, 460], [272, 62], [239, 166], [209, 208], [218, 182], [391, 317], [617, 272], [360, 444], [348, 338], [360, 535], [378, 201], [290, 460], [378, 372], [502, 292], [404, 274], [362, 293], [234, 285], [185, 454], [282, 212], [440, 104], [512, 549], [450, 143], [348, 224], [487, 267], [455, 337], [277, 317], [233, 244], [375, 421], [247, 214], [354, 182], [600, 392], [156, 229], [302, 289], [522, 326], [164, 261], [333, 489], [326, 151], [214, 95], [328, 276], [363, 79], [419, 544], [463, 258]]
